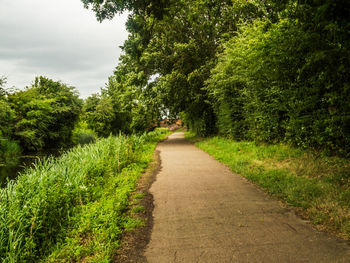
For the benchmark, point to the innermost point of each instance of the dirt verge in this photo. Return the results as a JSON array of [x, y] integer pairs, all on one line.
[[133, 243]]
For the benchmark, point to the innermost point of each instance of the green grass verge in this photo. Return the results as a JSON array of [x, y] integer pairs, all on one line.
[[73, 208], [319, 185]]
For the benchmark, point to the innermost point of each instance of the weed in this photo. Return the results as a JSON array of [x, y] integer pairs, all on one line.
[[139, 195], [138, 209]]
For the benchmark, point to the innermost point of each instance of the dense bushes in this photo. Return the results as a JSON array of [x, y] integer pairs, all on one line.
[[278, 81], [73, 206], [41, 116]]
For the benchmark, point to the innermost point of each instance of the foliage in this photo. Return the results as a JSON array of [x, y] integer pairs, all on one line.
[[107, 9], [273, 84], [7, 118], [82, 134], [320, 186], [99, 114], [45, 114], [7, 114], [71, 208], [9, 149], [122, 106], [264, 70], [170, 51], [2, 85], [183, 49], [9, 152]]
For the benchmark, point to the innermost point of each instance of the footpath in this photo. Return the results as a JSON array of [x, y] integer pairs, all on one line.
[[205, 213]]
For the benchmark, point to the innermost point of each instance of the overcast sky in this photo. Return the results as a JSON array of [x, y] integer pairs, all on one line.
[[59, 39]]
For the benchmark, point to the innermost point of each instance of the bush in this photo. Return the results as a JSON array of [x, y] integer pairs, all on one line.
[[279, 82]]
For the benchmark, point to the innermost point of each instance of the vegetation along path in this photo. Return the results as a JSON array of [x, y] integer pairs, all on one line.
[[205, 213]]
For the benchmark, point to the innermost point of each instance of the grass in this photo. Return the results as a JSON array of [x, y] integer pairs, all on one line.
[[318, 185], [72, 209]]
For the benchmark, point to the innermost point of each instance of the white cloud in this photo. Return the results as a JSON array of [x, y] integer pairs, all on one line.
[[58, 39]]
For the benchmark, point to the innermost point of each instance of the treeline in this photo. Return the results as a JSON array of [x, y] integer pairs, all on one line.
[[41, 116], [50, 115], [269, 71], [263, 70]]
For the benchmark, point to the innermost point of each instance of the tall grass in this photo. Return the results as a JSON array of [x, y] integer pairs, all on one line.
[[318, 185], [71, 208]]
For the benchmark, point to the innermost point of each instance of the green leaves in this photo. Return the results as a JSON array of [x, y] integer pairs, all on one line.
[[263, 70], [275, 82], [109, 8], [45, 114]]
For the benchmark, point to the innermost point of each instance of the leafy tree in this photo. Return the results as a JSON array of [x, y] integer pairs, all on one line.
[[285, 80], [181, 47], [107, 9], [262, 70], [46, 114], [124, 105], [7, 115], [99, 114], [9, 149], [2, 86]]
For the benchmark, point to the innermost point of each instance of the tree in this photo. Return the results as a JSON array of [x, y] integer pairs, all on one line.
[[7, 114], [263, 70], [2, 87], [108, 9], [180, 46], [46, 114], [99, 114]]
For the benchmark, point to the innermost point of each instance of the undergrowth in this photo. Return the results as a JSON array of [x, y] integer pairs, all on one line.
[[317, 184], [72, 208]]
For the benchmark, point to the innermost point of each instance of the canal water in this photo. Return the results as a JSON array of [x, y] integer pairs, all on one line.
[[10, 171]]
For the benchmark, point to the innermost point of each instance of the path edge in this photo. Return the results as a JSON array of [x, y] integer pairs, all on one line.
[[133, 243]]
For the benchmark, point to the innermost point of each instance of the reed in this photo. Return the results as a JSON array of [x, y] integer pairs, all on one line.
[[76, 201]]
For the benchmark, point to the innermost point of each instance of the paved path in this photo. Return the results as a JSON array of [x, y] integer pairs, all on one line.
[[205, 213]]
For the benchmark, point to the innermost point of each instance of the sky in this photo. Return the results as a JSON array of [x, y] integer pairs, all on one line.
[[59, 39]]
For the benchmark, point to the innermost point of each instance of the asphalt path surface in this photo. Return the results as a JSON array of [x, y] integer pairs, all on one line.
[[205, 213]]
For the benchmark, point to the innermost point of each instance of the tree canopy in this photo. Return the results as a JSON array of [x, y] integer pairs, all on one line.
[[41, 116], [262, 70]]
